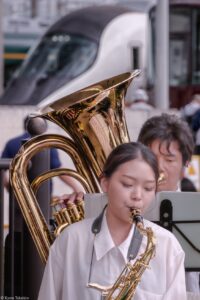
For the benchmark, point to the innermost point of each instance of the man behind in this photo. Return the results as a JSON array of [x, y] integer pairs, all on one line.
[[171, 140]]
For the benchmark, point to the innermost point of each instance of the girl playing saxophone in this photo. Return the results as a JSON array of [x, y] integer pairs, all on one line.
[[96, 250]]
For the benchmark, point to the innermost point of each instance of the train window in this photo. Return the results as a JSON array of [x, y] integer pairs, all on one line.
[[178, 53], [56, 53], [179, 21], [196, 48], [179, 46], [135, 58]]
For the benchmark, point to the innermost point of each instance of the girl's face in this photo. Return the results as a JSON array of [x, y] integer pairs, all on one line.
[[132, 185]]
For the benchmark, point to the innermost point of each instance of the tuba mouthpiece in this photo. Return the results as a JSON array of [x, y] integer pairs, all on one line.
[[161, 178]]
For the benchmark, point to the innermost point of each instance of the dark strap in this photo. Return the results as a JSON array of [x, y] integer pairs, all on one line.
[[135, 241], [96, 225], [135, 244]]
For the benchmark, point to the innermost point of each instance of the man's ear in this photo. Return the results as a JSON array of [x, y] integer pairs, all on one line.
[[182, 172], [187, 163], [104, 184], [184, 167]]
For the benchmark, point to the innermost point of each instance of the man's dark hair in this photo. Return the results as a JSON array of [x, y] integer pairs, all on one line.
[[168, 128], [187, 185]]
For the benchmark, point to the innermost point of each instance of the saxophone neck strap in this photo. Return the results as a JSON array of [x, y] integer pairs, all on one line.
[[96, 225], [135, 241], [135, 244]]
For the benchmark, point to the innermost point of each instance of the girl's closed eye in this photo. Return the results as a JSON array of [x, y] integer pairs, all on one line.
[[149, 188], [127, 184]]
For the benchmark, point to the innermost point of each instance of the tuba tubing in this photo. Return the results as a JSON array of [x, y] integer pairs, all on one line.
[[57, 172], [94, 119], [24, 193]]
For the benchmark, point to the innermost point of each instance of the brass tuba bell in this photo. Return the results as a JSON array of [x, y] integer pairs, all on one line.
[[94, 119]]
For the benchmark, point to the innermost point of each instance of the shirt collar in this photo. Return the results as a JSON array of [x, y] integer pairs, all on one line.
[[103, 242]]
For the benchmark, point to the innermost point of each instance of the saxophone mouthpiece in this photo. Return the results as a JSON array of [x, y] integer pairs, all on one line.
[[136, 217]]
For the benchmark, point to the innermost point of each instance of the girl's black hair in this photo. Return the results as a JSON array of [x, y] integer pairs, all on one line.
[[127, 152]]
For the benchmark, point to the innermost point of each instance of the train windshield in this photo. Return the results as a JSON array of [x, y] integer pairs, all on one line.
[[71, 54]]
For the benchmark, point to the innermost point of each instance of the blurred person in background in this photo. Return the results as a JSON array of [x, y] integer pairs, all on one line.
[[188, 111], [139, 101], [33, 127]]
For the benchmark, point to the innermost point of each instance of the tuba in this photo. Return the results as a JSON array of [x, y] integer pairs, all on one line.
[[94, 119]]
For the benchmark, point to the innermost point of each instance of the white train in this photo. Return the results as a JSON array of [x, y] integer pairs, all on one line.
[[98, 42], [82, 48]]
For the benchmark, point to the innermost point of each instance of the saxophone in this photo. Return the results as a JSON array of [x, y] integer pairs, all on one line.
[[125, 286]]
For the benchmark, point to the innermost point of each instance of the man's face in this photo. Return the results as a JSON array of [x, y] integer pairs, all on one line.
[[170, 164]]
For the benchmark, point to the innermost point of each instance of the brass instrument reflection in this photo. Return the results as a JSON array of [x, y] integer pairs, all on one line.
[[94, 119]]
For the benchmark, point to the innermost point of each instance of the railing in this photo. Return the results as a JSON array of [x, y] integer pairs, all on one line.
[[15, 253], [4, 165]]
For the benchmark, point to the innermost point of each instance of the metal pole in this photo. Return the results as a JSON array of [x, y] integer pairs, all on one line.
[[1, 48], [162, 55], [33, 8]]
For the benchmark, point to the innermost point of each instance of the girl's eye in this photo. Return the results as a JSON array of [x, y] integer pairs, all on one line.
[[149, 189], [126, 184]]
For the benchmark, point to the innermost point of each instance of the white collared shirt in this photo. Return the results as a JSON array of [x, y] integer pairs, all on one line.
[[68, 267]]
